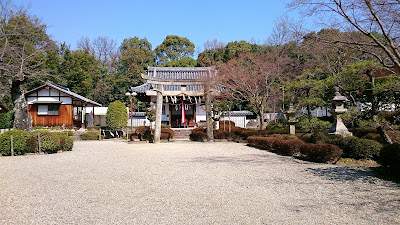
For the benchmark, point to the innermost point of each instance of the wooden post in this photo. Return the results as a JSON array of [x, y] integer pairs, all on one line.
[[100, 134], [12, 145], [127, 134], [210, 134], [38, 137], [159, 103]]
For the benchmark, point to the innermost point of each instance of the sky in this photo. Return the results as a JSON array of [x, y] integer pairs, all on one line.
[[198, 20]]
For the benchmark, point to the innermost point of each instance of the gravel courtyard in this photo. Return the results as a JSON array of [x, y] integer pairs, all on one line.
[[112, 182]]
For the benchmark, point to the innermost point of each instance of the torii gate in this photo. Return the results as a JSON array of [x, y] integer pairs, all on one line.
[[186, 81]]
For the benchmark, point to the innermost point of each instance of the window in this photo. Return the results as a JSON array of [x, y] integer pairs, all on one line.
[[48, 110]]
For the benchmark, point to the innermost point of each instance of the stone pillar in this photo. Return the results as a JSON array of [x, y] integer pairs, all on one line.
[[22, 118], [338, 127], [291, 118], [210, 134], [159, 103]]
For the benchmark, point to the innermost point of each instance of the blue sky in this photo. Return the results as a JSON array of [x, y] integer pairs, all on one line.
[[69, 20]]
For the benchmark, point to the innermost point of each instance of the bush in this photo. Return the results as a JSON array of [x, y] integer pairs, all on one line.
[[291, 147], [275, 126], [394, 135], [322, 153], [360, 148], [261, 142], [66, 142], [221, 134], [116, 116], [361, 132], [314, 124], [90, 135], [49, 142], [20, 144], [6, 120], [68, 132], [167, 133], [374, 136], [198, 134], [390, 158], [306, 138], [319, 137]]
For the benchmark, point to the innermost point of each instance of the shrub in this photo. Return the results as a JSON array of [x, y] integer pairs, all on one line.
[[116, 116], [361, 132], [275, 126], [261, 142], [322, 153], [68, 132], [390, 157], [306, 138], [167, 133], [66, 142], [319, 137], [394, 135], [221, 134], [198, 134], [313, 125], [6, 120], [374, 136], [20, 145], [291, 147], [90, 135], [49, 142], [361, 148]]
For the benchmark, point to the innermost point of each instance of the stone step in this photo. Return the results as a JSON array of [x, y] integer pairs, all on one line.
[[182, 133]]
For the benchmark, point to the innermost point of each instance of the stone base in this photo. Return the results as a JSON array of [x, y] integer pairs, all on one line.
[[292, 129], [344, 133]]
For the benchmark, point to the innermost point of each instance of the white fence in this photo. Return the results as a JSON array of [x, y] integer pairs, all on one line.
[[4, 130]]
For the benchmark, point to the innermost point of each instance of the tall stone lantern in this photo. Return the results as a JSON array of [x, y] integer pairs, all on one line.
[[291, 115], [337, 109]]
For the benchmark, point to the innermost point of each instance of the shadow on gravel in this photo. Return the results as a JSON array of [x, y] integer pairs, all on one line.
[[250, 158], [344, 173]]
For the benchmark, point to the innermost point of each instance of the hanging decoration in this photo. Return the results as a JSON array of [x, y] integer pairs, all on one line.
[[183, 119], [166, 99], [183, 97]]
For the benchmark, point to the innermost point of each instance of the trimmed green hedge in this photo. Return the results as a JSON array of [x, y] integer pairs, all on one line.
[[90, 135], [49, 142], [66, 142], [20, 143], [116, 116]]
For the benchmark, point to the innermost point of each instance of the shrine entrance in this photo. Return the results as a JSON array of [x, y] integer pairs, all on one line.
[[176, 115]]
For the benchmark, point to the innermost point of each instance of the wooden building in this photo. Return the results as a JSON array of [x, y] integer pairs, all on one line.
[[179, 93], [54, 105]]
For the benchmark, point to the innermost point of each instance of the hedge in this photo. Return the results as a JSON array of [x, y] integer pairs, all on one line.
[[390, 158], [66, 142], [90, 135], [20, 143], [357, 148], [49, 142], [295, 147], [198, 134]]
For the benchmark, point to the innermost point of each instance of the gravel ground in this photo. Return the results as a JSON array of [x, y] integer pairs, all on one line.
[[111, 182]]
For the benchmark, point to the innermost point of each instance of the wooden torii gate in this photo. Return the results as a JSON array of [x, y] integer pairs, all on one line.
[[183, 77]]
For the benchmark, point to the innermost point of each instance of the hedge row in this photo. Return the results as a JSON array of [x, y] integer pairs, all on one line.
[[324, 153], [50, 142], [145, 133]]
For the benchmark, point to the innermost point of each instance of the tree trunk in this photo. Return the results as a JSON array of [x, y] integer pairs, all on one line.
[[261, 116], [382, 132]]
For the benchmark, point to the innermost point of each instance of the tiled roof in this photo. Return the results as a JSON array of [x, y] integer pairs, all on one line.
[[179, 73], [65, 91]]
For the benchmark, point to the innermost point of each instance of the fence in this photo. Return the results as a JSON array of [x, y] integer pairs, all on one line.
[[4, 130]]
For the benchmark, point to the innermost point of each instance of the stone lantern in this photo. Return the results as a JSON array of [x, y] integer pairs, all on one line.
[[291, 115], [337, 109]]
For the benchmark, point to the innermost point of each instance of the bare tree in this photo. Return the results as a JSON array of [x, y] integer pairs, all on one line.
[[85, 45], [104, 49], [213, 45], [253, 79], [378, 20]]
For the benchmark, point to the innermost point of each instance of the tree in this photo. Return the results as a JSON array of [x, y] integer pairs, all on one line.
[[116, 116], [135, 56], [174, 48], [81, 71], [253, 79], [377, 20]]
